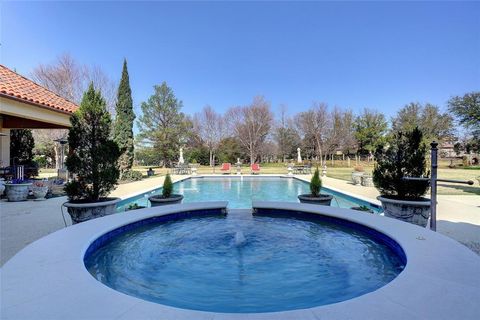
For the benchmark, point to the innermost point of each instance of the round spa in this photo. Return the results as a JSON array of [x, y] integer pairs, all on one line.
[[278, 261], [239, 263]]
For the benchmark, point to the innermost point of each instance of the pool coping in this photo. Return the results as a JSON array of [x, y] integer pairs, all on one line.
[[48, 278]]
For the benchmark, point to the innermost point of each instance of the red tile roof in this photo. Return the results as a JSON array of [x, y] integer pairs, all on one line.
[[17, 87]]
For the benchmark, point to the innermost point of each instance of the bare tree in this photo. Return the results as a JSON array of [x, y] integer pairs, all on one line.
[[285, 135], [269, 151], [209, 125], [69, 79], [65, 77], [347, 142], [314, 125], [251, 125], [107, 86], [333, 132], [339, 133]]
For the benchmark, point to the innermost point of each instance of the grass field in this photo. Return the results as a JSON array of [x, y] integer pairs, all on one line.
[[338, 171]]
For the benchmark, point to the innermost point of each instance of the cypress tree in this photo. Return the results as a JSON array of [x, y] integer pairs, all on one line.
[[123, 127], [93, 155]]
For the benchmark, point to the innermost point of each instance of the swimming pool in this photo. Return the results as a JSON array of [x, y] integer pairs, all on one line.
[[241, 191]]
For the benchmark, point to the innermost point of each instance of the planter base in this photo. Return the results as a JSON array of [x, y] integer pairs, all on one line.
[[322, 199], [357, 178], [367, 180], [17, 192], [415, 212], [80, 212], [39, 192], [159, 201]]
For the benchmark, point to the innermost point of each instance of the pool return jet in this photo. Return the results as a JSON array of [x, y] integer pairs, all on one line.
[[433, 184]]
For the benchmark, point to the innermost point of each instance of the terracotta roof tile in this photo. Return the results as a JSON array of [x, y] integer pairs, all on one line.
[[15, 86]]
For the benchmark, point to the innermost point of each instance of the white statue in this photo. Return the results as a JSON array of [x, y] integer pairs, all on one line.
[[181, 160], [299, 156]]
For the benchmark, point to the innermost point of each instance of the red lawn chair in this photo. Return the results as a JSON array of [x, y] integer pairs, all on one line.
[[255, 168], [226, 168]]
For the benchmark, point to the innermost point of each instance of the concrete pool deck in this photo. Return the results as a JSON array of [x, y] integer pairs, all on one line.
[[48, 279], [21, 223]]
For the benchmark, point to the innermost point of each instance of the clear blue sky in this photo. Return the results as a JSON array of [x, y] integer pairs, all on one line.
[[355, 55]]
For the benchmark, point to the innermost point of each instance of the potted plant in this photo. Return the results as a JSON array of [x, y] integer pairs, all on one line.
[[357, 175], [403, 199], [92, 160], [167, 197], [367, 180], [17, 190], [39, 189], [315, 196]]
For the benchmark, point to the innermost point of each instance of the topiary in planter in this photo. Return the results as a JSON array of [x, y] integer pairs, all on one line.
[[315, 184], [167, 187], [315, 187], [92, 159], [167, 197], [405, 157]]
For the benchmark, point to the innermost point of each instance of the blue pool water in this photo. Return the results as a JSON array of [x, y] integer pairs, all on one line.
[[244, 263], [241, 191]]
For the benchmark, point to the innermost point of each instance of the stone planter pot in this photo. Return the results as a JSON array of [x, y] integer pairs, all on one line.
[[367, 180], [322, 199], [415, 212], [158, 200], [40, 192], [357, 177], [80, 212], [17, 192]]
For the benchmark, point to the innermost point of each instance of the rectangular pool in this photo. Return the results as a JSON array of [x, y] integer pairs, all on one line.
[[240, 191]]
